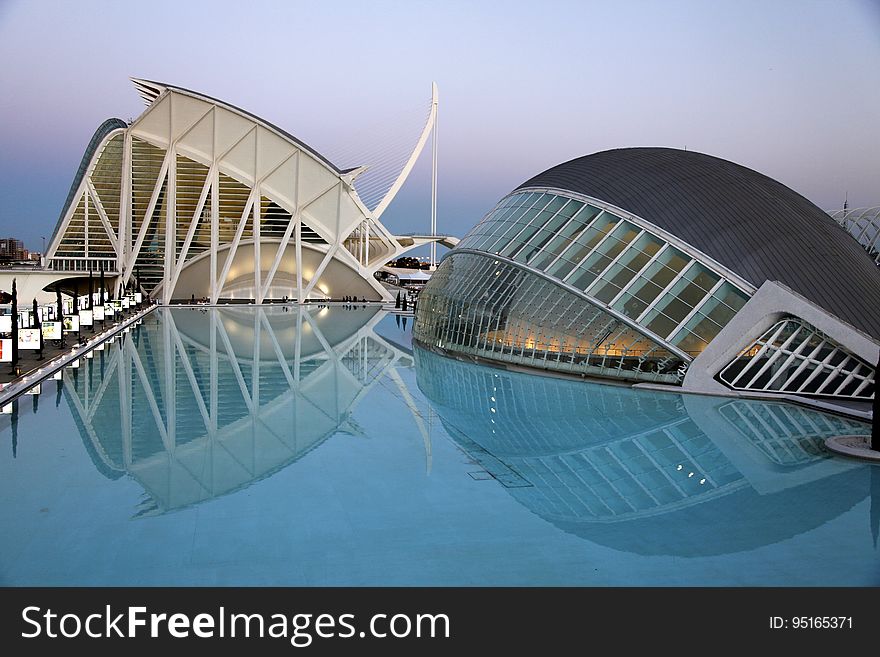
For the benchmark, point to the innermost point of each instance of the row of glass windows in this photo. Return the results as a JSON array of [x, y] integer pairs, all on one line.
[[85, 235], [613, 261], [479, 305]]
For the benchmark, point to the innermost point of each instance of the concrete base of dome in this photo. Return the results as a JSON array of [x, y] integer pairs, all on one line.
[[854, 446]]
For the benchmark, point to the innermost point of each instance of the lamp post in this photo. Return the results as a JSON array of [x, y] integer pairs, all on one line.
[[14, 326]]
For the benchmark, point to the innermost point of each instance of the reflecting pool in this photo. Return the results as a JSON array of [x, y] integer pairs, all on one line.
[[287, 446]]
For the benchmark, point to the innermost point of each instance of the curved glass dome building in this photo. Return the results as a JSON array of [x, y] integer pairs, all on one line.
[[631, 263]]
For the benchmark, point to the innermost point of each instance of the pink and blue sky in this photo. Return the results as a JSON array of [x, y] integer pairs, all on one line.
[[788, 87]]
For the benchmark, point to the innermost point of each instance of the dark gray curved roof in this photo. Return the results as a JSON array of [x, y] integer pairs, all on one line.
[[748, 222]]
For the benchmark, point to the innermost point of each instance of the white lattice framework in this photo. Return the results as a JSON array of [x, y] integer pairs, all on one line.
[[197, 184], [794, 357], [864, 225]]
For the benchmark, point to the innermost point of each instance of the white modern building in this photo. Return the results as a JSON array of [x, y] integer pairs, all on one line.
[[199, 198]]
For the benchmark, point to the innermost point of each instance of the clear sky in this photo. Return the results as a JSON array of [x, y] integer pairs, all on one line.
[[788, 87]]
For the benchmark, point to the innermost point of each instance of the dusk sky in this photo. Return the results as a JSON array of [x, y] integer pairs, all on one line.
[[790, 88]]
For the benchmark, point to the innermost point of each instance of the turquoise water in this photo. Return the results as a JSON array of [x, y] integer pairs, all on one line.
[[249, 446]]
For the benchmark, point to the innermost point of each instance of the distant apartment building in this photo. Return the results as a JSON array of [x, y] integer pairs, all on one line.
[[12, 250]]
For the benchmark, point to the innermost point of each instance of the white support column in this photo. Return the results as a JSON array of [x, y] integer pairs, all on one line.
[[215, 216], [124, 377], [255, 370], [170, 224], [85, 198], [170, 383], [258, 267], [297, 349], [215, 232], [125, 206], [214, 374], [300, 297]]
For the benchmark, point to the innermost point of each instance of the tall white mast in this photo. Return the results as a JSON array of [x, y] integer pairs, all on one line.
[[434, 102]]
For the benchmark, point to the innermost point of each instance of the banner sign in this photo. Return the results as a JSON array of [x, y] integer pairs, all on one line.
[[109, 310], [71, 323], [85, 317], [98, 313], [29, 338], [125, 303], [117, 304], [138, 298], [6, 350], [5, 323], [51, 330]]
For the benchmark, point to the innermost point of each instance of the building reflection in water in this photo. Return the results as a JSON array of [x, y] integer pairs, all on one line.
[[194, 404], [643, 471]]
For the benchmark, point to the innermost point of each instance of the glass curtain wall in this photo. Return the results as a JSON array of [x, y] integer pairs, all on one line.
[[480, 305], [614, 262]]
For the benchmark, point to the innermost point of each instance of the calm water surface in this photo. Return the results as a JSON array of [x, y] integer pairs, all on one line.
[[249, 446]]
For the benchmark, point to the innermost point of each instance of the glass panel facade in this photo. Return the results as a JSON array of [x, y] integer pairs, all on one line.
[[614, 262], [479, 305]]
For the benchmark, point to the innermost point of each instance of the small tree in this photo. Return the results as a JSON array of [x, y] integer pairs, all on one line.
[[397, 303], [59, 310], [39, 326]]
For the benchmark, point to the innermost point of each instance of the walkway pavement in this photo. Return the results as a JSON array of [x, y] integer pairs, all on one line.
[[53, 352]]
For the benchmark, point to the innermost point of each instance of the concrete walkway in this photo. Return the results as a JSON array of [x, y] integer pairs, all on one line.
[[30, 370]]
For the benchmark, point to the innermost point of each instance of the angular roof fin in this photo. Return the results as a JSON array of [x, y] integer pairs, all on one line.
[[148, 90]]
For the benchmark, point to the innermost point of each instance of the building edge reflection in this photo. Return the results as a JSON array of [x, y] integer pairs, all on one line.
[[199, 403]]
